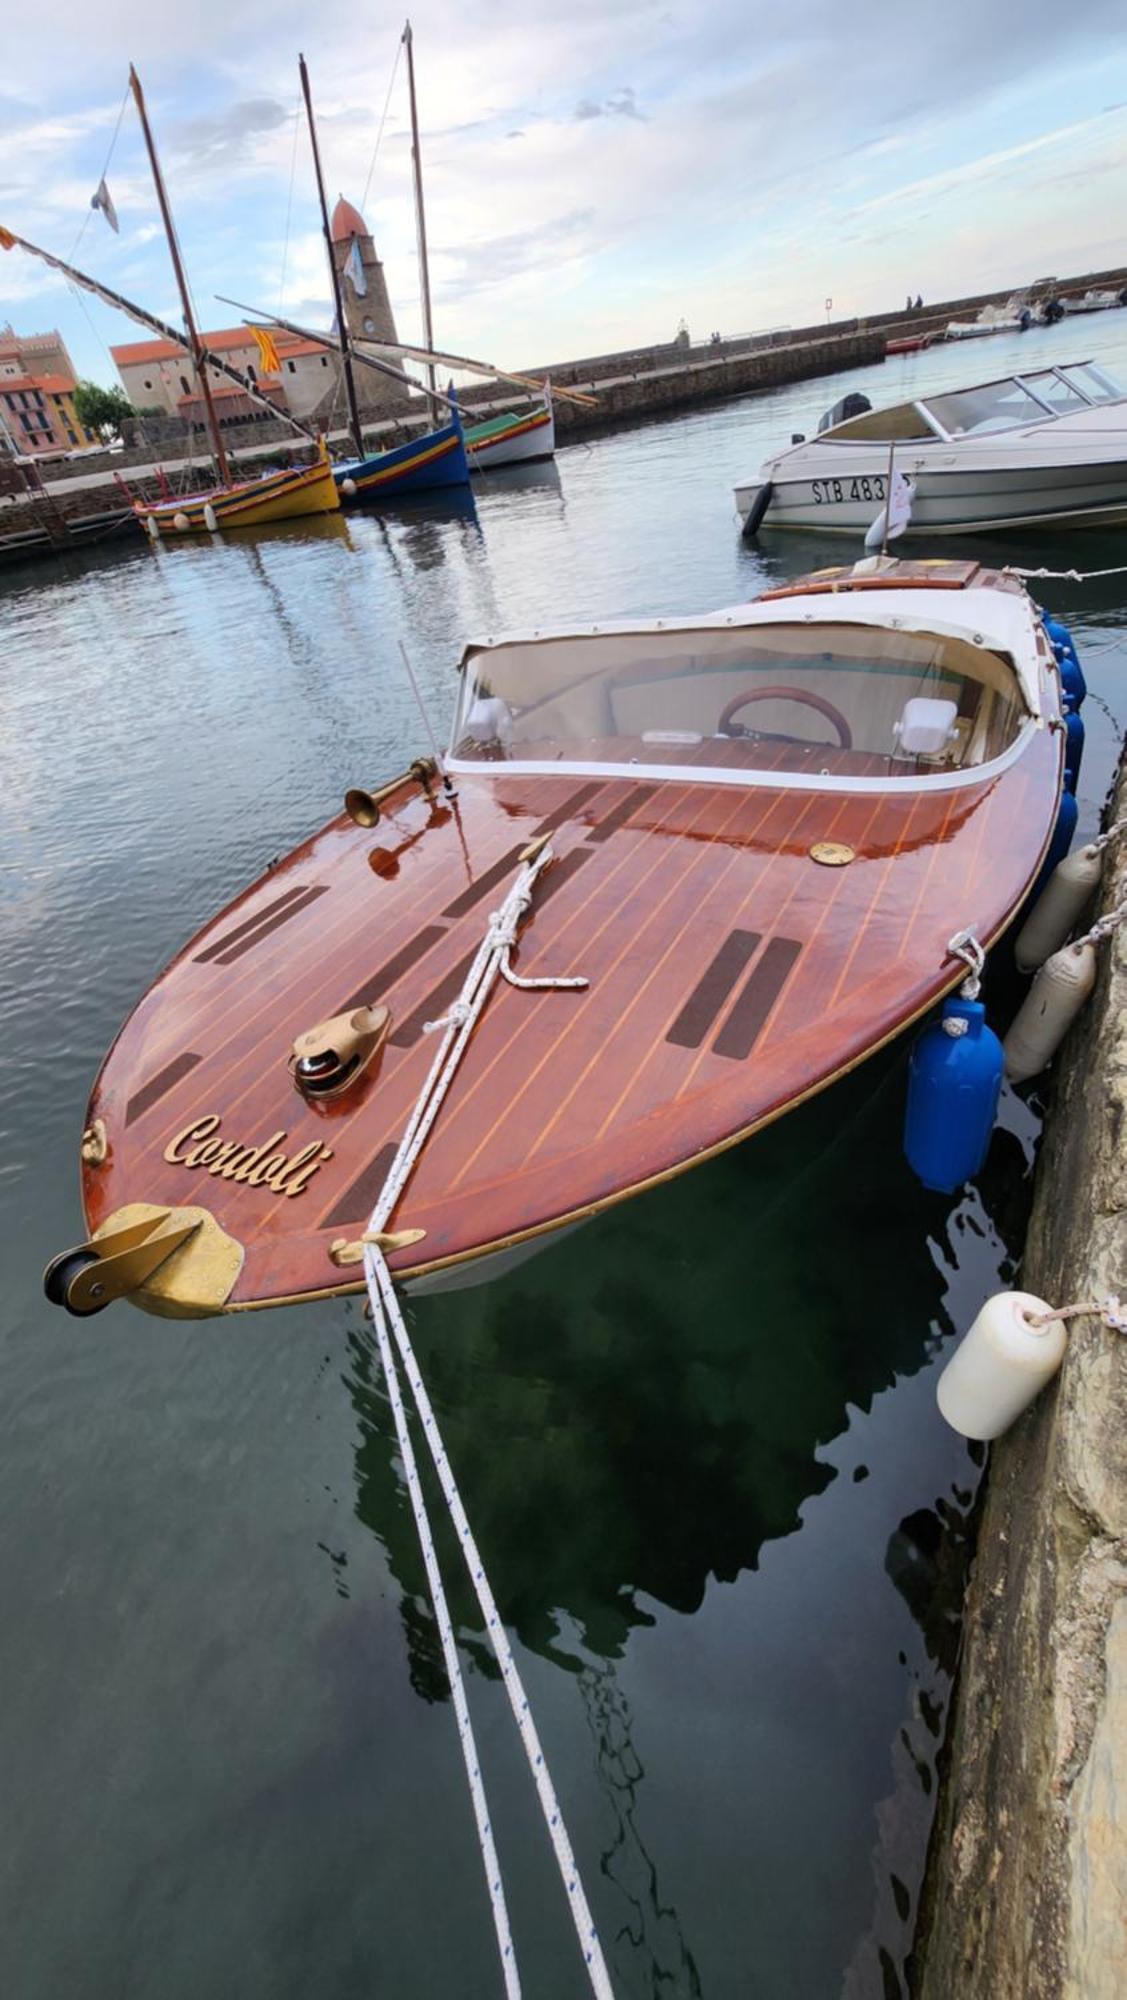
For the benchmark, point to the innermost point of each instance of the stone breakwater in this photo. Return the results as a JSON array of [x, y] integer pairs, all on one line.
[[1026, 1897]]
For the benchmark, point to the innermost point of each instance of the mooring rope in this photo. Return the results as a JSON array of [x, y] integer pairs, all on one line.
[[1065, 575], [1108, 1310], [456, 1027]]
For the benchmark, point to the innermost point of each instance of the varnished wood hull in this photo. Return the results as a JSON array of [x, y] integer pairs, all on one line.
[[730, 977]]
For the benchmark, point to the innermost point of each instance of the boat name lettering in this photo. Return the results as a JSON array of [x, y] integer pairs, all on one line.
[[828, 490], [260, 1166]]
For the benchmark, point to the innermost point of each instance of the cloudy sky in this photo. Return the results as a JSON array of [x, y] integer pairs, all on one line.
[[595, 169]]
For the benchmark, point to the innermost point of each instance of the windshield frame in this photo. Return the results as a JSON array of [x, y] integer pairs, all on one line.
[[1032, 720]]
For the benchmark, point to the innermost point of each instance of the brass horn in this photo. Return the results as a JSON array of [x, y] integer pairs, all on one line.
[[364, 807]]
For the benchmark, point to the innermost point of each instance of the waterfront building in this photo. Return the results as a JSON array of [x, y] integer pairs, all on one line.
[[158, 376], [37, 385]]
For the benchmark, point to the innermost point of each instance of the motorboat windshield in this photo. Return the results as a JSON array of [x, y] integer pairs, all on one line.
[[828, 699], [989, 406]]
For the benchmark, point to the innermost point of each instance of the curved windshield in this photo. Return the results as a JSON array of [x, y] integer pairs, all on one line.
[[838, 699], [992, 407]]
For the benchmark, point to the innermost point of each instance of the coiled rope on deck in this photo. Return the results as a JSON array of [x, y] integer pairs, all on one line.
[[456, 1027]]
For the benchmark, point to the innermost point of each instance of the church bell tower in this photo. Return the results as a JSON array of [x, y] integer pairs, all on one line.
[[367, 308]]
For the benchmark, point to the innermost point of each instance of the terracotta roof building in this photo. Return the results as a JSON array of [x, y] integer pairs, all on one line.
[[37, 384], [158, 375]]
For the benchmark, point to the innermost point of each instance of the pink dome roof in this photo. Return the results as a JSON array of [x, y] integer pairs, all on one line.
[[347, 222]]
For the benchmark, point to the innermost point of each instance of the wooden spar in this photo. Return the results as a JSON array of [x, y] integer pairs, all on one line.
[[329, 340], [197, 348], [420, 211], [9, 240], [334, 274], [421, 354]]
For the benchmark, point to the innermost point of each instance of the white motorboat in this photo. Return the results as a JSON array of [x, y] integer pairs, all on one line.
[[1043, 449], [1092, 302], [1013, 317]]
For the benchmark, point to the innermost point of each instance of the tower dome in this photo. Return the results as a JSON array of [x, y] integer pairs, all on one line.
[[347, 222]]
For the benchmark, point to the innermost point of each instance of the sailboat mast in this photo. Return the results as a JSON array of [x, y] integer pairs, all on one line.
[[420, 213], [342, 327], [197, 347]]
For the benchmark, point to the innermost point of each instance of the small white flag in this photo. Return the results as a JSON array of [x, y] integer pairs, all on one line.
[[355, 270], [102, 200], [896, 515]]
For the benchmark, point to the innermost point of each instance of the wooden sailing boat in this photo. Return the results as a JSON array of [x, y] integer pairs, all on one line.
[[759, 830], [278, 496], [517, 438], [434, 460]]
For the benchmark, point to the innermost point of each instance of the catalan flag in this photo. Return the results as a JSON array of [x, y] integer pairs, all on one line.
[[7, 240], [268, 353]]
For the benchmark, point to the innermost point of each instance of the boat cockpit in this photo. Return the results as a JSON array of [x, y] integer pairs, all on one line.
[[990, 406], [779, 701]]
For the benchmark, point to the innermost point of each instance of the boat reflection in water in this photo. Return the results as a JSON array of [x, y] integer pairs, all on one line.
[[626, 1442]]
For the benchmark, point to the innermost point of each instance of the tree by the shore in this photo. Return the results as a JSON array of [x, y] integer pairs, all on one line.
[[101, 411]]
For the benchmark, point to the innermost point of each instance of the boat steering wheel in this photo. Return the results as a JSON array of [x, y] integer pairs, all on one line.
[[824, 707]]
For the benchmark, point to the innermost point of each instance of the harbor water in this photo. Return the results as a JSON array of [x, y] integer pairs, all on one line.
[[725, 1523]]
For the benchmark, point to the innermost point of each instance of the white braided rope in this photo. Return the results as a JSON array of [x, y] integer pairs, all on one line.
[[457, 1025], [1065, 575], [453, 1666]]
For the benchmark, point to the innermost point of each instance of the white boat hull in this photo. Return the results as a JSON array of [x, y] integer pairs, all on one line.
[[1071, 473], [534, 438]]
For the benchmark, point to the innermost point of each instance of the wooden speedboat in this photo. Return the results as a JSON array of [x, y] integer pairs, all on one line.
[[251, 503], [1047, 448], [766, 824]]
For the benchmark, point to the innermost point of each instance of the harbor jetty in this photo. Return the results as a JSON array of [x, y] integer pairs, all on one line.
[[1027, 1881]]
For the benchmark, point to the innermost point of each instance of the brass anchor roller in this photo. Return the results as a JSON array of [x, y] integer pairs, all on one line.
[[88, 1278]]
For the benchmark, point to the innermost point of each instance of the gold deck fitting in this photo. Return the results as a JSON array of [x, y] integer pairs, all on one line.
[[176, 1261], [95, 1146], [832, 853], [364, 807], [344, 1252]]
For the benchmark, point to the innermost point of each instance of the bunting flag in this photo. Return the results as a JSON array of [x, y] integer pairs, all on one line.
[[101, 199], [268, 353], [355, 270], [895, 516]]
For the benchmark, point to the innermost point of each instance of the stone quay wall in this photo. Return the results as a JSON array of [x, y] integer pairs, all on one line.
[[1026, 1896]]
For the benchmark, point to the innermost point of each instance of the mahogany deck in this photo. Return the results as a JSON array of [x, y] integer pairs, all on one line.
[[729, 974]]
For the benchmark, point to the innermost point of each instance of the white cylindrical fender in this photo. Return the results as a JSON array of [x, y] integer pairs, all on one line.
[[152, 527], [209, 519], [1000, 1365], [348, 487], [1051, 1005], [1057, 908], [180, 523]]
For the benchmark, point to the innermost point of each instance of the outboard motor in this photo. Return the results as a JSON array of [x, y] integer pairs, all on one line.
[[853, 405]]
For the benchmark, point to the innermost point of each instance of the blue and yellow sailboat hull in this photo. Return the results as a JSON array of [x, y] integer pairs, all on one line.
[[438, 459]]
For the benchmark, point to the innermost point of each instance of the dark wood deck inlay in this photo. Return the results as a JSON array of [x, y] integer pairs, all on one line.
[[380, 985], [249, 924], [568, 810], [436, 1002], [151, 1092], [712, 989], [625, 809], [359, 1198], [255, 937], [741, 1030], [486, 881]]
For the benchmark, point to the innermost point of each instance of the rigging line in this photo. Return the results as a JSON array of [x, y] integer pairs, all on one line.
[[102, 175], [289, 203], [383, 121]]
